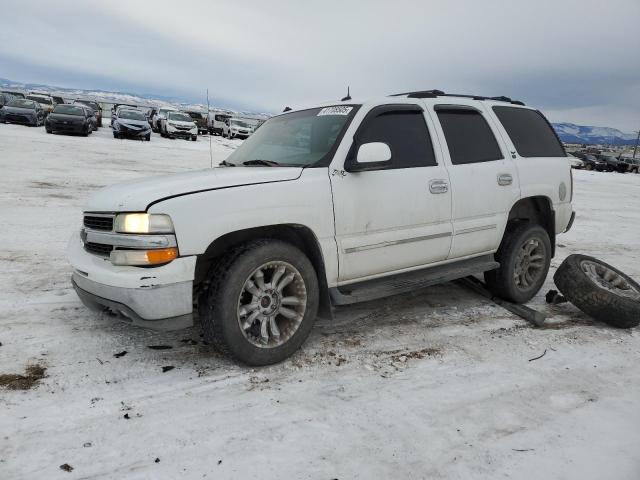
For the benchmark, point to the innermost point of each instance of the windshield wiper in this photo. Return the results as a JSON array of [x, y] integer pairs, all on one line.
[[224, 163], [266, 163]]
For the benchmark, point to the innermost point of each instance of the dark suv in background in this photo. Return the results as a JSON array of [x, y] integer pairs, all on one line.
[[95, 106]]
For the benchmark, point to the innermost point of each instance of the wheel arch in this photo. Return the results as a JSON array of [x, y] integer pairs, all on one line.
[[298, 235], [535, 209]]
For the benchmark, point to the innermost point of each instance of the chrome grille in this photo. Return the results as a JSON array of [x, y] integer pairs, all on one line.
[[99, 222]]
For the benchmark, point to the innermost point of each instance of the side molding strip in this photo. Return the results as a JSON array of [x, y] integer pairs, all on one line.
[[397, 242], [476, 229]]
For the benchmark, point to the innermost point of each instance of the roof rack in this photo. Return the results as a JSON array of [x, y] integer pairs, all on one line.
[[440, 93]]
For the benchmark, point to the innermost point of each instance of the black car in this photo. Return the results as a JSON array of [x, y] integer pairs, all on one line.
[[592, 163], [67, 118], [131, 123], [93, 105], [23, 111], [613, 163]]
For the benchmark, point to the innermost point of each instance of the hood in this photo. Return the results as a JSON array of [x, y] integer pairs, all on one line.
[[136, 195], [181, 123], [66, 118], [135, 123], [21, 111]]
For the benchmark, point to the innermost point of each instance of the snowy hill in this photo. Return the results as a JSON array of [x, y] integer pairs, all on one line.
[[572, 133]]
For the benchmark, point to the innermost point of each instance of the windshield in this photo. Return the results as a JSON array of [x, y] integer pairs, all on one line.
[[240, 123], [93, 105], [69, 110], [131, 115], [221, 118], [21, 103], [196, 115], [40, 99], [300, 138], [179, 117]]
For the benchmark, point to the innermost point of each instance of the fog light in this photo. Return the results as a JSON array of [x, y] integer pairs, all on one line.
[[143, 257]]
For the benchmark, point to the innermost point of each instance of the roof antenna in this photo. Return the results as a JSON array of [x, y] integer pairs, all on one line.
[[286, 109], [348, 97]]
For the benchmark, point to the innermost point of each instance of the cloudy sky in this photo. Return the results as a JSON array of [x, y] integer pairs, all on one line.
[[579, 61]]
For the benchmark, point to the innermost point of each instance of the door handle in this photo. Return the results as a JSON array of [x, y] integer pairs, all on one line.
[[438, 186], [505, 179]]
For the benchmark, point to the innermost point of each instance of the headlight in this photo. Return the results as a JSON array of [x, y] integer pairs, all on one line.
[[143, 223]]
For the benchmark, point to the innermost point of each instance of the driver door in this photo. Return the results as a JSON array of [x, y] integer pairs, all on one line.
[[396, 216]]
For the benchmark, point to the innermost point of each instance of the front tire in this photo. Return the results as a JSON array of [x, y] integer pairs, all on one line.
[[589, 167], [261, 303], [524, 257], [194, 138]]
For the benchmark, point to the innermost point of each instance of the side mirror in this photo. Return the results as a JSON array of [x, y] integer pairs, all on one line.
[[370, 156]]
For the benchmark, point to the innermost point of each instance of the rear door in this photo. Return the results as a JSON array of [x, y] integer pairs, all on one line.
[[397, 217], [483, 178]]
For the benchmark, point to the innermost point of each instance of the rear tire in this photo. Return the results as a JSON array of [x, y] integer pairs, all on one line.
[[194, 138], [599, 290], [227, 304], [524, 256]]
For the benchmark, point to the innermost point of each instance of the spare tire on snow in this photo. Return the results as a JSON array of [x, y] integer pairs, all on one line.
[[599, 290]]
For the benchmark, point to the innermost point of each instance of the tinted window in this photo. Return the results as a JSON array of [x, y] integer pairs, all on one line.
[[530, 132], [406, 134], [468, 136]]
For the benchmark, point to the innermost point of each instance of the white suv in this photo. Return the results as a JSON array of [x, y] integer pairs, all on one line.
[[236, 128], [327, 206]]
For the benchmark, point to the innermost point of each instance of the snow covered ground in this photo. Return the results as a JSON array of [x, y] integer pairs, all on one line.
[[436, 384]]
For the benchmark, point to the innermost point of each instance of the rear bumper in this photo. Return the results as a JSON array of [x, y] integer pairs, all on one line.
[[159, 297]]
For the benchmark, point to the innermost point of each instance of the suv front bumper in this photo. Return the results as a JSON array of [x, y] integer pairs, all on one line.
[[158, 297]]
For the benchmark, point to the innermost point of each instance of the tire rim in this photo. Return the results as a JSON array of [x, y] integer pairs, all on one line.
[[609, 280], [529, 264], [272, 304]]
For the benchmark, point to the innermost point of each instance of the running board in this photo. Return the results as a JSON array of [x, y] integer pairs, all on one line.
[[407, 282]]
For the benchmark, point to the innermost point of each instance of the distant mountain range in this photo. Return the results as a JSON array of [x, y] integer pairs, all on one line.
[[571, 133]]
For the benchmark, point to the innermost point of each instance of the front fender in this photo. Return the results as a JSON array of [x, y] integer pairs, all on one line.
[[201, 218]]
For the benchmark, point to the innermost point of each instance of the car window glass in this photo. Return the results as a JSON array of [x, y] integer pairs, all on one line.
[[406, 134], [530, 132], [469, 137]]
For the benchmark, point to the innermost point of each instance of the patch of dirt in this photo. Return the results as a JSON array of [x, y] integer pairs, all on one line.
[[44, 185], [13, 381]]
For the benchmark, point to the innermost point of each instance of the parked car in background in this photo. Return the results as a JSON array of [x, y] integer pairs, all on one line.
[[236, 128], [150, 114], [633, 164], [613, 164], [594, 163], [159, 117], [66, 118], [179, 125], [93, 105], [216, 122], [45, 101], [575, 162], [23, 111], [200, 118], [130, 123], [14, 93], [5, 98], [58, 100]]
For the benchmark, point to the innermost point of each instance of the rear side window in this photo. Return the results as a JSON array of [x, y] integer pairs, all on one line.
[[406, 134], [530, 132], [468, 135]]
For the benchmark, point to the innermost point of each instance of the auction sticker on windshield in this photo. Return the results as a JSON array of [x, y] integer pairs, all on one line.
[[337, 110]]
